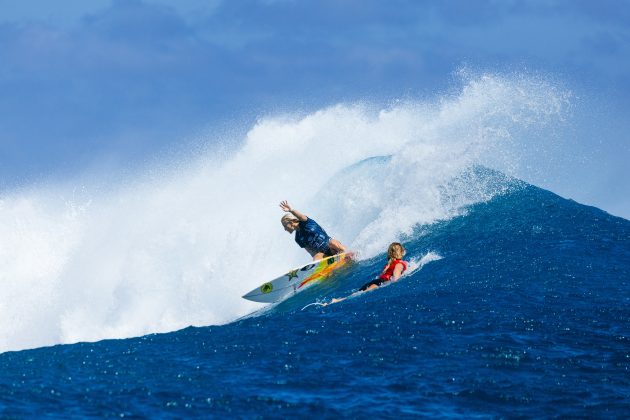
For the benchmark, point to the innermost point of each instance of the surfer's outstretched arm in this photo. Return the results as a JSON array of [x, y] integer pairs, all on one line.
[[284, 205]]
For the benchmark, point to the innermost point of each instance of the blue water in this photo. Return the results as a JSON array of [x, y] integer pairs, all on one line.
[[526, 315]]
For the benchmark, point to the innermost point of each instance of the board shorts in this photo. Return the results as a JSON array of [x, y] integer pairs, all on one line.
[[328, 252], [375, 282]]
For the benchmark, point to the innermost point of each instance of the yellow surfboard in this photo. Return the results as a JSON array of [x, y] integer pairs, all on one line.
[[299, 279]]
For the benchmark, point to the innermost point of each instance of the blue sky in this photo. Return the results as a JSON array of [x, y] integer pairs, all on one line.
[[125, 79]]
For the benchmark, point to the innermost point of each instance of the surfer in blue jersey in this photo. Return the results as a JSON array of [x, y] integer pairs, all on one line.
[[309, 234]]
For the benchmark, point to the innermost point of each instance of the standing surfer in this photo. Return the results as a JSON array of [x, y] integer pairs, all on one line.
[[309, 234]]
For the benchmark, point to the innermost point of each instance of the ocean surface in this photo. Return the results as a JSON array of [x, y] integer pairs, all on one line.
[[526, 314], [121, 295]]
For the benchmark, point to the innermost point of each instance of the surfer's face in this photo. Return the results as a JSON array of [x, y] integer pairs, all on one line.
[[290, 225]]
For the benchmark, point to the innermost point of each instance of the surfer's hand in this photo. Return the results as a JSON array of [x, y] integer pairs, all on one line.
[[284, 205]]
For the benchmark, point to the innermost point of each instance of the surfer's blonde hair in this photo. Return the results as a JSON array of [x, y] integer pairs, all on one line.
[[396, 251], [288, 217]]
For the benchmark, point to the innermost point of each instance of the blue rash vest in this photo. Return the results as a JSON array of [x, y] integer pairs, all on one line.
[[311, 235]]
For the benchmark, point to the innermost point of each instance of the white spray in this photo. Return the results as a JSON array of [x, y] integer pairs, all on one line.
[[166, 251]]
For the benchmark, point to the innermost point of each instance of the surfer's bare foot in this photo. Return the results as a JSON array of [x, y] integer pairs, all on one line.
[[335, 300]]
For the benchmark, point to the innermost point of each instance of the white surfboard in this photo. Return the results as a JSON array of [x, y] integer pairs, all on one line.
[[298, 279]]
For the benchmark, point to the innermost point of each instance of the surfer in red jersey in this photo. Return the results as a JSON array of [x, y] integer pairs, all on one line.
[[394, 268]]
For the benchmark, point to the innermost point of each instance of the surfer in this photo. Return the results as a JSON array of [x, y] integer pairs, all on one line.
[[309, 235], [394, 268]]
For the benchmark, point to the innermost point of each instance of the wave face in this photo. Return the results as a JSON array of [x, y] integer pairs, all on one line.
[[520, 309], [179, 244]]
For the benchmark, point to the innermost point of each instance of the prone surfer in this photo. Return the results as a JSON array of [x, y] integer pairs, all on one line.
[[394, 268], [309, 234]]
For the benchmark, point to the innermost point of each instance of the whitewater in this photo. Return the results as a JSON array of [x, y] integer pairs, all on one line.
[[179, 243]]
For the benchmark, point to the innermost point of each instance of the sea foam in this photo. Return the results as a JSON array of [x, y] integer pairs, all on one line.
[[180, 244]]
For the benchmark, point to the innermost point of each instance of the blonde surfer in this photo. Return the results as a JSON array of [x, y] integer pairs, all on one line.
[[309, 234]]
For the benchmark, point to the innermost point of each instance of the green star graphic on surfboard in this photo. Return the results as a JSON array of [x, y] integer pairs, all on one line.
[[292, 274]]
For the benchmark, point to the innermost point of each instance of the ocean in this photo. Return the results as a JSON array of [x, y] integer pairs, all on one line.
[[125, 300]]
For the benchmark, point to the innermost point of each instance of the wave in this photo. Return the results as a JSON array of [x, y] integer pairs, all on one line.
[[524, 287], [178, 245]]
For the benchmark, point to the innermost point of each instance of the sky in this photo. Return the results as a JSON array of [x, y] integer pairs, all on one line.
[[122, 81]]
